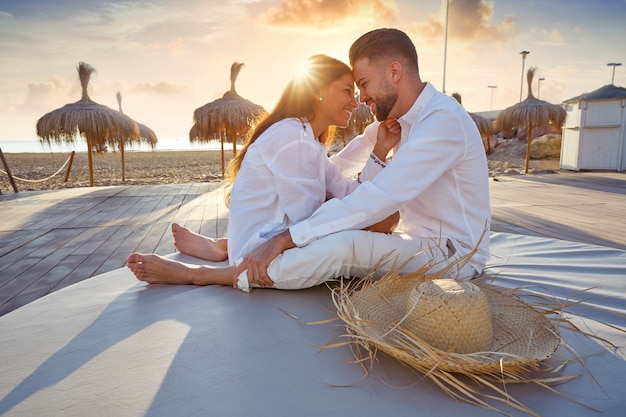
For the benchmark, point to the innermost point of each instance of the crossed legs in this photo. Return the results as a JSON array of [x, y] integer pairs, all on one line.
[[156, 269], [304, 271]]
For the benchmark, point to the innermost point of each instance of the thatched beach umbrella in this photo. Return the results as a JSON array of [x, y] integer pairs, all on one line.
[[360, 118], [144, 134], [194, 135], [98, 124], [484, 125], [228, 118], [530, 112]]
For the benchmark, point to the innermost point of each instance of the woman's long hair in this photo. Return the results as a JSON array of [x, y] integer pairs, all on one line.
[[297, 100]]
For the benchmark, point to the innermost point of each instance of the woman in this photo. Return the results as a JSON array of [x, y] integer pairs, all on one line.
[[281, 175]]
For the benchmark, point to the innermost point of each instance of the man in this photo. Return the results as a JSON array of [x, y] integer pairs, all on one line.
[[437, 179]]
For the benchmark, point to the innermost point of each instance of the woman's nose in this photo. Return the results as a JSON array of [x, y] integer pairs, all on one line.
[[354, 103]]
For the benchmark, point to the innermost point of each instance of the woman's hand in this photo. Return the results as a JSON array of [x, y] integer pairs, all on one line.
[[387, 138]]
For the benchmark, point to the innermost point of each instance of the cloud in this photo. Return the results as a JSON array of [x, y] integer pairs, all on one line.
[[4, 16], [41, 98], [160, 88], [175, 47], [48, 95], [468, 20], [329, 14], [550, 38]]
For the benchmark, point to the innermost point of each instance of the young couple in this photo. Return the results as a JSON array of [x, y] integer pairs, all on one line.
[[297, 220]]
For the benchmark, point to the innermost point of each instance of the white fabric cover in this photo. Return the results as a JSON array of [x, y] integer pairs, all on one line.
[[113, 346]]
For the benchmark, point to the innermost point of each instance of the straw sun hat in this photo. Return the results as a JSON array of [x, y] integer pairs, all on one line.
[[446, 328]]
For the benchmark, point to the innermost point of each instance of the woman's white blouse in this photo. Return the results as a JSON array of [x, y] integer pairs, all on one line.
[[284, 177]]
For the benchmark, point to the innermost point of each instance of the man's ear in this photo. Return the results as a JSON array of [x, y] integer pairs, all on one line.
[[396, 71]]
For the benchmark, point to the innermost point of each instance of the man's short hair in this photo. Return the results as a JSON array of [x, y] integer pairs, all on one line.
[[385, 44]]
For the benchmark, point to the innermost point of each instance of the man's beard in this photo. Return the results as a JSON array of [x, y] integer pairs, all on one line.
[[384, 104]]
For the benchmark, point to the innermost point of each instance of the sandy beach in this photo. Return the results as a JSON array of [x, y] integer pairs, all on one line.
[[178, 167], [163, 167]]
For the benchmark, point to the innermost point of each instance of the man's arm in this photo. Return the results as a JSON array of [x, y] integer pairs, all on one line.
[[258, 260]]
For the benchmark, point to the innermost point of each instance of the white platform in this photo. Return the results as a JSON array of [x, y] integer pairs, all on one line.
[[112, 346]]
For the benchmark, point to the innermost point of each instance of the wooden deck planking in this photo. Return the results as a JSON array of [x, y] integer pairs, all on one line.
[[89, 241], [12, 241], [86, 266], [555, 228], [49, 240], [581, 207], [34, 276], [119, 246], [153, 236], [47, 283]]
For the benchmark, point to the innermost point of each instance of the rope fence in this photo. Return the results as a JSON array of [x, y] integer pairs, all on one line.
[[68, 163], [43, 179]]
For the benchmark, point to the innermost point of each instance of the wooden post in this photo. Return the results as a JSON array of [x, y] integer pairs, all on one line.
[[222, 142], [69, 166], [90, 159], [6, 168], [530, 139], [123, 162]]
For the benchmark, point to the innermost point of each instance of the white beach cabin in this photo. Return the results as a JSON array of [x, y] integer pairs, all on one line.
[[594, 134]]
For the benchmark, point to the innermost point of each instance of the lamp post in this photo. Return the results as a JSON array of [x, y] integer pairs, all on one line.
[[613, 64], [491, 87], [523, 54], [539, 86]]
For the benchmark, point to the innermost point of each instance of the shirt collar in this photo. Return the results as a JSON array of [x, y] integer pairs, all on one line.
[[418, 106]]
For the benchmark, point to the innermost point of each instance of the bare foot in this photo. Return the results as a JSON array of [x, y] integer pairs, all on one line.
[[155, 269], [196, 245]]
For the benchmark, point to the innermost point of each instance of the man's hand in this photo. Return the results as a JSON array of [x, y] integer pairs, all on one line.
[[388, 136], [258, 260]]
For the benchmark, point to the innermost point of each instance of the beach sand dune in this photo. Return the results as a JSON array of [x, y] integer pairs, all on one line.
[[179, 167]]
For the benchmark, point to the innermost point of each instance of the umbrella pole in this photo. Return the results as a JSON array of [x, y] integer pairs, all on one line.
[[530, 139], [69, 166], [123, 162], [6, 167], [90, 159], [222, 142]]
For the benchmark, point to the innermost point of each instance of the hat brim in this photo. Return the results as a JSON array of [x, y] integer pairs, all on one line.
[[374, 312]]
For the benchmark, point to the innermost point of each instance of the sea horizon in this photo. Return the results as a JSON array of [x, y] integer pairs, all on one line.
[[165, 144]]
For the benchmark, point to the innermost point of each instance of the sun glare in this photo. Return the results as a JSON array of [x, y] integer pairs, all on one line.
[[302, 70]]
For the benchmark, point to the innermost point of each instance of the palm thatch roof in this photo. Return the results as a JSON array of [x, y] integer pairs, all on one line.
[[144, 134], [99, 125], [194, 135], [484, 125], [608, 92], [531, 112], [360, 118], [228, 118]]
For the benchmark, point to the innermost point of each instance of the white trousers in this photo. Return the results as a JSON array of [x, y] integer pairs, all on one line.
[[359, 253]]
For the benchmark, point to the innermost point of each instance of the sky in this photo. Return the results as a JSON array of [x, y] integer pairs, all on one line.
[[169, 57]]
